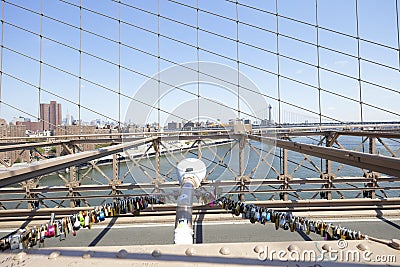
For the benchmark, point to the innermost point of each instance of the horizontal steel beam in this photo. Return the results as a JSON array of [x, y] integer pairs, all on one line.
[[14, 175], [382, 134], [166, 185], [378, 163], [292, 205]]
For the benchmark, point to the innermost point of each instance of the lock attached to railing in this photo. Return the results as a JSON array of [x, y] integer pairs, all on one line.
[[50, 232]]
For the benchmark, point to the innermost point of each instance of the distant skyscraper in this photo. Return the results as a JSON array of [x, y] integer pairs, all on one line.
[[50, 115]]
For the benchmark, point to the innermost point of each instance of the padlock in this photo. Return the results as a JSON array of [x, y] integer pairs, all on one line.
[[105, 210], [101, 216], [77, 223], [237, 209], [343, 233], [253, 214], [42, 233], [276, 223], [244, 208], [273, 216], [263, 216], [50, 232], [81, 218], [307, 225], [129, 205], [248, 212], [312, 226], [3, 244], [297, 225], [62, 230], [283, 223], [145, 203], [323, 229], [268, 217], [56, 229], [14, 241], [292, 223], [86, 220]]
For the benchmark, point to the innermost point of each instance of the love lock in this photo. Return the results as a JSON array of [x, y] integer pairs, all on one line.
[[263, 216]]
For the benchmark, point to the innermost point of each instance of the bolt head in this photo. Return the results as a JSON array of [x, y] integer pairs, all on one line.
[[156, 253], [190, 251], [122, 254], [54, 255], [225, 251]]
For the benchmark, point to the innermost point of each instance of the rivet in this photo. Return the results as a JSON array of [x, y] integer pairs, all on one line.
[[258, 249], [156, 253], [190, 251], [224, 251], [54, 255], [293, 247], [21, 255], [362, 247], [326, 247], [88, 254], [122, 254]]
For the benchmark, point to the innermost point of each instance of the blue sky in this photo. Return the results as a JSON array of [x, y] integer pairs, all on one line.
[[377, 30]]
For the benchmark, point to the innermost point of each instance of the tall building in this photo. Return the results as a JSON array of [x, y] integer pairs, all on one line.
[[50, 115], [11, 130]]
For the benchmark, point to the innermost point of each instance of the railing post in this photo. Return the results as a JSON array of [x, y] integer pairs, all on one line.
[[242, 142], [156, 147], [328, 168], [371, 174], [72, 185], [115, 177], [199, 151], [284, 175]]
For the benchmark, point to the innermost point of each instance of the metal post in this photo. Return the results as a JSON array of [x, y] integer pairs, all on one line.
[[242, 142], [183, 219], [284, 176], [199, 151], [115, 180], [156, 148], [328, 169], [372, 150], [115, 167], [72, 180]]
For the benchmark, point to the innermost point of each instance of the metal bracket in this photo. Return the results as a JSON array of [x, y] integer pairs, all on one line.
[[72, 184], [30, 184], [115, 183]]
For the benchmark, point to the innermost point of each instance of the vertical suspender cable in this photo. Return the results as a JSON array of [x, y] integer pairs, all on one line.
[[198, 63], [80, 66], [237, 58], [1, 54], [119, 66], [359, 63], [398, 30], [158, 69], [318, 64], [359, 70], [40, 62], [278, 79], [318, 72], [278, 62]]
